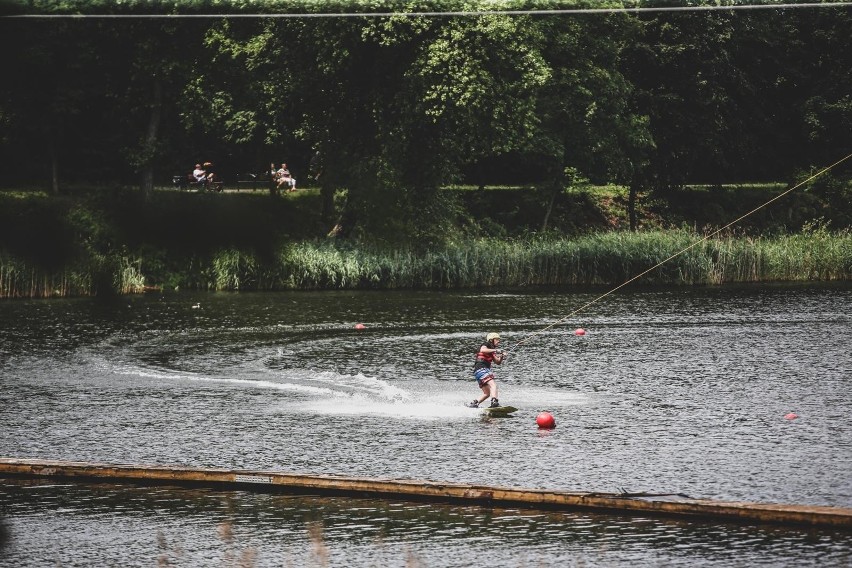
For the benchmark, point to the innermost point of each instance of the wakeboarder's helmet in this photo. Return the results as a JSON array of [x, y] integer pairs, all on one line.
[[492, 336]]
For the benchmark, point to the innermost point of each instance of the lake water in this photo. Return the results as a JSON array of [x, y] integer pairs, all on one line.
[[670, 391]]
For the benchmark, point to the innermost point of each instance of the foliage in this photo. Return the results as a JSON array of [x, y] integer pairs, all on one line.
[[95, 244], [834, 196], [93, 275], [384, 111], [603, 259]]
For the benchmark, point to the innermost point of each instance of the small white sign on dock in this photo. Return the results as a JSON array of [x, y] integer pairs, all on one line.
[[252, 478]]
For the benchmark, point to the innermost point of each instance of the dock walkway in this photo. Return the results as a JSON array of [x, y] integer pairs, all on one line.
[[618, 503]]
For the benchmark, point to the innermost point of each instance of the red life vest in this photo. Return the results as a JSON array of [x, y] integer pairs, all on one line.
[[484, 359]]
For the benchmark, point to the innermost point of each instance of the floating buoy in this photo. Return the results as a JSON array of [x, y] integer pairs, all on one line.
[[360, 326], [791, 416], [545, 420], [579, 331]]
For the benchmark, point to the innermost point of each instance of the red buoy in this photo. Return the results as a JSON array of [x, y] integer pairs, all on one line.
[[360, 326], [579, 331], [545, 420], [791, 416]]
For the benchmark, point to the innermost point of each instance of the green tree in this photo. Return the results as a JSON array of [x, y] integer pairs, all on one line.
[[589, 126], [826, 67], [155, 62], [742, 94], [45, 99], [391, 106]]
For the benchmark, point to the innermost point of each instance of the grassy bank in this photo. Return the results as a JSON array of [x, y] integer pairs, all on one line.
[[600, 259], [604, 259], [114, 242]]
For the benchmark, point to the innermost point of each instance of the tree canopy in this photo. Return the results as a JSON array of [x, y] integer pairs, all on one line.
[[389, 103]]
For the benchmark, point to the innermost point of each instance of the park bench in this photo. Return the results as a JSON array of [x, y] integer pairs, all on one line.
[[189, 182], [254, 181]]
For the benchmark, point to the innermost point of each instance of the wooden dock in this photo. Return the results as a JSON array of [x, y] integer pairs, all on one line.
[[617, 503]]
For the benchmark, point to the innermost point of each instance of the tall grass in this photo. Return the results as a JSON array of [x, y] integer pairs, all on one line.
[[95, 275], [599, 259], [602, 259]]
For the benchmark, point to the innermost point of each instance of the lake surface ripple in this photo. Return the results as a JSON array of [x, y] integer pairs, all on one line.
[[670, 391]]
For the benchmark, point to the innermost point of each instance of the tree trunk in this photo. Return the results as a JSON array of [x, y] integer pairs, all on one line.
[[631, 205], [554, 192], [327, 196], [54, 167], [345, 224], [147, 182], [271, 183], [558, 182]]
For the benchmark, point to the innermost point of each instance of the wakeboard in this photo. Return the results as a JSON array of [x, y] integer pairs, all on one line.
[[499, 411]]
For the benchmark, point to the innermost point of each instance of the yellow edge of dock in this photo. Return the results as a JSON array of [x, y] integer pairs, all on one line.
[[675, 506]]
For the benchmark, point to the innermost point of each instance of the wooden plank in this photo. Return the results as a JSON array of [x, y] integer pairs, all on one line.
[[434, 491]]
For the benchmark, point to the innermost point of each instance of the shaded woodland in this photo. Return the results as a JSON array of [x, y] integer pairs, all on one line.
[[384, 111]]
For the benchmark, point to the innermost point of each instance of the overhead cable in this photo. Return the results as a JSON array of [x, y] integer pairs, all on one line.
[[459, 13]]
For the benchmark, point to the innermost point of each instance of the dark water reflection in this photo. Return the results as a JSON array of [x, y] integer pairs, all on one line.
[[680, 391], [131, 526]]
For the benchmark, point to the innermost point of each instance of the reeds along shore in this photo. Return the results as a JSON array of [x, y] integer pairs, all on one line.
[[600, 259], [96, 275]]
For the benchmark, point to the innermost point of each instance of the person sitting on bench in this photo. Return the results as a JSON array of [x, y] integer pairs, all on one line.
[[199, 175], [283, 178]]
